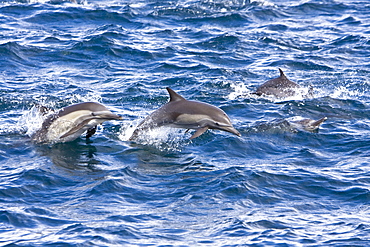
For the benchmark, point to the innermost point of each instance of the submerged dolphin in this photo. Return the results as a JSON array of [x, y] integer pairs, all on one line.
[[186, 114], [279, 87], [308, 124], [70, 122], [281, 124]]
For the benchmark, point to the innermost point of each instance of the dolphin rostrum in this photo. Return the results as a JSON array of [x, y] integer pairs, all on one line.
[[70, 122], [186, 114], [279, 87]]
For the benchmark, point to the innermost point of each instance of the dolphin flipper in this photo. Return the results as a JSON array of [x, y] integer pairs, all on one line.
[[76, 128], [90, 132], [199, 132]]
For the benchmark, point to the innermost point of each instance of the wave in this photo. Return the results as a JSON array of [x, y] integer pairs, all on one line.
[[273, 185]]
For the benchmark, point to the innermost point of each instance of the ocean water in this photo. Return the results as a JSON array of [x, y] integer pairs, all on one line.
[[273, 186]]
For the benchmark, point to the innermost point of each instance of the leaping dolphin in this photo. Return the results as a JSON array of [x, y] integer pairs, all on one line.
[[279, 87], [186, 114], [70, 122]]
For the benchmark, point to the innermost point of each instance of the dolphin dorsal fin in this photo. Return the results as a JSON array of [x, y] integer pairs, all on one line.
[[318, 122], [174, 96], [281, 73]]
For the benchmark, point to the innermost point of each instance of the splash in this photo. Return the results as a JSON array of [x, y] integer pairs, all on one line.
[[262, 3], [242, 91], [58, 1], [31, 120], [342, 92], [163, 138], [127, 130]]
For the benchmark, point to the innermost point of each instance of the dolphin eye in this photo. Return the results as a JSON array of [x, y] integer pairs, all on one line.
[[217, 123]]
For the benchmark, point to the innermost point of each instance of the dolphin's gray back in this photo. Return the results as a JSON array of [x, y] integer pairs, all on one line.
[[279, 87], [310, 124], [168, 113], [196, 107], [90, 106]]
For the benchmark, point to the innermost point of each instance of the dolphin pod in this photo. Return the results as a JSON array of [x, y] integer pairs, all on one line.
[[70, 122], [186, 114]]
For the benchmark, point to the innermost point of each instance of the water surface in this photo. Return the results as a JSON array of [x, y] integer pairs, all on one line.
[[273, 186]]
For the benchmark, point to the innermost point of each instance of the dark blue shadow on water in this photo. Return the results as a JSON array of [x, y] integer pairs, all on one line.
[[79, 154]]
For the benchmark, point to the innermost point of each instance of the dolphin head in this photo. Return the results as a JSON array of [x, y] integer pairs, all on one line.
[[224, 125], [309, 124], [218, 119]]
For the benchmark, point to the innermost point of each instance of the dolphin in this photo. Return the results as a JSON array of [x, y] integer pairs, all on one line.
[[186, 114], [308, 124], [70, 122], [279, 87], [281, 124]]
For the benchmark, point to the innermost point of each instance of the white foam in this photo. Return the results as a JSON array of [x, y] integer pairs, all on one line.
[[31, 121], [242, 91], [162, 138], [342, 92]]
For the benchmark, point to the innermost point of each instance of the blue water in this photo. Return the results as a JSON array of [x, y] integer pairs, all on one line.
[[273, 186]]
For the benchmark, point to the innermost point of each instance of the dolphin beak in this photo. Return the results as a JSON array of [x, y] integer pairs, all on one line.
[[106, 115], [230, 129]]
